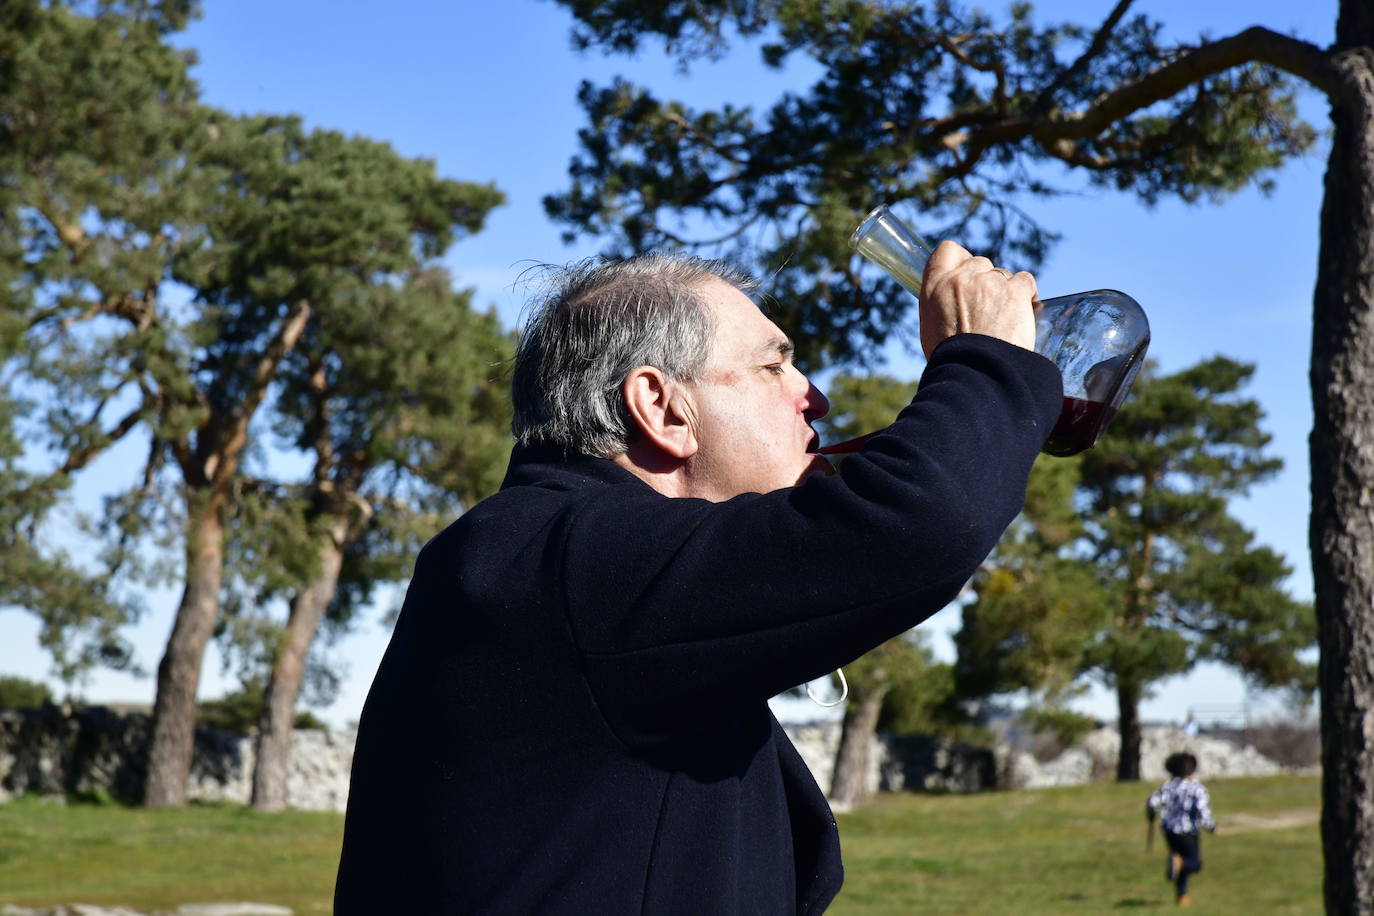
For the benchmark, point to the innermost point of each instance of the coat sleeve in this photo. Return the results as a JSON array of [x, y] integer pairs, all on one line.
[[681, 608]]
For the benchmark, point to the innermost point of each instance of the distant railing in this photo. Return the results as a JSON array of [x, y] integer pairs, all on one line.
[[1208, 716]]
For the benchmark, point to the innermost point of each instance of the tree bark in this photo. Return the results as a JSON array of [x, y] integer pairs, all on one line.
[[178, 675], [1341, 532], [849, 785], [1128, 723], [273, 746]]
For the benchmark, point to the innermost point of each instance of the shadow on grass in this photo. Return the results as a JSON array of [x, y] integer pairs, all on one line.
[[1079, 897]]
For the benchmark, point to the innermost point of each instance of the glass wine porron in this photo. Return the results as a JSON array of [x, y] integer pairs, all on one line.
[[1097, 339]]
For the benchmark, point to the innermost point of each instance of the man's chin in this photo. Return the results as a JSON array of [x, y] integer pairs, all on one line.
[[819, 465]]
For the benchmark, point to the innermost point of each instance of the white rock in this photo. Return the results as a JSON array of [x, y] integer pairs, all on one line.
[[232, 909]]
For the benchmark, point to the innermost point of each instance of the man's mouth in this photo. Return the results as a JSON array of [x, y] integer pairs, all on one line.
[[850, 445]]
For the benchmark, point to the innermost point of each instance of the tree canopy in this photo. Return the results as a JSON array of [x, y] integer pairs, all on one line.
[[931, 106], [222, 288]]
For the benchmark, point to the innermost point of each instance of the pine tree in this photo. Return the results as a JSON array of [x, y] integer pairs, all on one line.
[[309, 241], [406, 414], [1185, 580], [1157, 576]]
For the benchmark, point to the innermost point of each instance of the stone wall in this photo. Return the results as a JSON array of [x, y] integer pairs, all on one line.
[[1095, 758], [95, 750], [913, 762]]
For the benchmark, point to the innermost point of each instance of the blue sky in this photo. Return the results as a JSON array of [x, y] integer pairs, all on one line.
[[487, 90]]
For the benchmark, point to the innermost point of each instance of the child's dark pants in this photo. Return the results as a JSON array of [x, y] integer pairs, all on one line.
[[1188, 849]]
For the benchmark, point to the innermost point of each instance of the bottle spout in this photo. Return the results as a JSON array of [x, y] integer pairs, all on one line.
[[888, 242]]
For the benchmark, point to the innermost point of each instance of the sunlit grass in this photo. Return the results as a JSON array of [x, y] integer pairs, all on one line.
[[1073, 850], [1079, 850], [155, 860]]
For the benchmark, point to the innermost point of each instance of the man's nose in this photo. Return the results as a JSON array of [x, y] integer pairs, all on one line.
[[817, 404]]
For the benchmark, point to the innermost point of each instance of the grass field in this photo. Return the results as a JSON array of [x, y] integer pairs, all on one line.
[[1073, 850], [1079, 850]]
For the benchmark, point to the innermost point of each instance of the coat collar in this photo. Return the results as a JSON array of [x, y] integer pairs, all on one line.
[[545, 466]]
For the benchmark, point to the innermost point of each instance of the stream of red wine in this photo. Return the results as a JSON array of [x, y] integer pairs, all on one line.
[[1078, 426]]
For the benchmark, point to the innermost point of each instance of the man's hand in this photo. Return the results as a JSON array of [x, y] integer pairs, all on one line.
[[962, 294]]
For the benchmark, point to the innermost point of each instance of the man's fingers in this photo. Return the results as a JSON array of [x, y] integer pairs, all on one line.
[[947, 256], [1026, 278], [950, 256], [964, 294]]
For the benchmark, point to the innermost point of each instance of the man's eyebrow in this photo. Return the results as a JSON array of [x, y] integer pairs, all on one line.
[[782, 346]]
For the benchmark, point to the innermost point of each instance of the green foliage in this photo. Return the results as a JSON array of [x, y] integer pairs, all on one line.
[[21, 693], [1035, 605], [95, 115], [238, 711], [934, 106], [1177, 564], [915, 687], [97, 796], [920, 688], [158, 257], [1067, 726]]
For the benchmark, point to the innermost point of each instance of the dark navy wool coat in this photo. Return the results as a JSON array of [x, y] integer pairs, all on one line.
[[572, 714]]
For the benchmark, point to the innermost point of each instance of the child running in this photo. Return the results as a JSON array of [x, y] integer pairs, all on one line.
[[1184, 806]]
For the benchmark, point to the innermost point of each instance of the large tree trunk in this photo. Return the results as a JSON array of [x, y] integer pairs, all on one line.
[[178, 675], [279, 707], [849, 785], [1128, 724], [1341, 534]]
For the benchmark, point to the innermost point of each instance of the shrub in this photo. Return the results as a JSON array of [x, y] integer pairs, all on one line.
[[238, 712], [20, 693], [1055, 729]]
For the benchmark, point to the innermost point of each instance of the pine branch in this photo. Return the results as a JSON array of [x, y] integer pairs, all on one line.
[[1254, 45], [223, 437], [323, 443], [84, 454], [1045, 101], [1057, 135], [69, 232], [955, 47]]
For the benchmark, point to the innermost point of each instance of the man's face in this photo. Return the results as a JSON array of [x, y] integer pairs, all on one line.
[[754, 409]]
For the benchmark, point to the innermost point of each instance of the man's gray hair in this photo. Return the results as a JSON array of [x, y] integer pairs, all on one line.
[[598, 321]]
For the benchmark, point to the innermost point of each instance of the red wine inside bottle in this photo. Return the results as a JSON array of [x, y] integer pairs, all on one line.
[[1079, 423]]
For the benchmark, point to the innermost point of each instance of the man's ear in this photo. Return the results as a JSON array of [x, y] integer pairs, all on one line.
[[662, 410]]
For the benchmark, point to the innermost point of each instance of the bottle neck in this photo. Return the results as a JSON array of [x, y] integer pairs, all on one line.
[[890, 243]]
